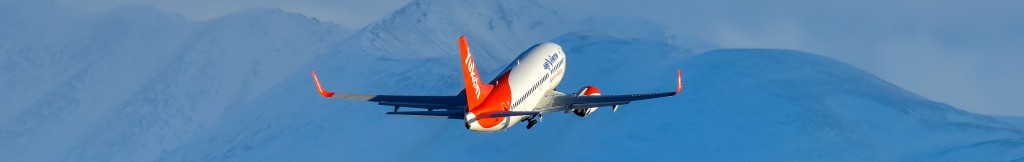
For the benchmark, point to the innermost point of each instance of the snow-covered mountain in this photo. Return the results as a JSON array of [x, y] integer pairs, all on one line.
[[1014, 120], [137, 84], [128, 84]]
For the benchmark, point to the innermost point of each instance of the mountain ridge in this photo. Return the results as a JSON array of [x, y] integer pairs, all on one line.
[[143, 85]]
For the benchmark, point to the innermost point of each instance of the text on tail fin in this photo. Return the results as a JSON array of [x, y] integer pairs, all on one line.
[[476, 91]]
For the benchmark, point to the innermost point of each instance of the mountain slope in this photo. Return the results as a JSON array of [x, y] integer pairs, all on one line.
[[809, 107], [137, 84], [496, 30], [738, 105], [1015, 120], [153, 78]]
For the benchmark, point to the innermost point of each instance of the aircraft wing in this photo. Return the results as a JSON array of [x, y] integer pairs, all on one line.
[[569, 102], [425, 102], [450, 103], [565, 103]]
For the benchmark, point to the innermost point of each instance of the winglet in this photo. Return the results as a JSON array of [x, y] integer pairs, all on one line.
[[320, 89], [679, 80]]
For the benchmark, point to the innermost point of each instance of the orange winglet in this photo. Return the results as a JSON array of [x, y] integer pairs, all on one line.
[[679, 80], [320, 89]]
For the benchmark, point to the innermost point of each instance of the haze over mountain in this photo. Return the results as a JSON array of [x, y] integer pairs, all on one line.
[[140, 84], [963, 53]]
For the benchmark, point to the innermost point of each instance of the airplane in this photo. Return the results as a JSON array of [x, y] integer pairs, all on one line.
[[522, 93]]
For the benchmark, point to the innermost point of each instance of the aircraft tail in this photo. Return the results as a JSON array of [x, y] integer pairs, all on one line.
[[476, 89]]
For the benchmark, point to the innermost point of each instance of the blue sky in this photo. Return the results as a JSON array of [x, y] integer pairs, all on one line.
[[964, 53]]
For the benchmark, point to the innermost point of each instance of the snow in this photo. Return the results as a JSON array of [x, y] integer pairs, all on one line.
[[139, 84], [151, 76], [1015, 120]]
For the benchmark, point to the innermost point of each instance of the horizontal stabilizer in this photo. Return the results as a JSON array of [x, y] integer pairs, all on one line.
[[440, 114], [512, 113]]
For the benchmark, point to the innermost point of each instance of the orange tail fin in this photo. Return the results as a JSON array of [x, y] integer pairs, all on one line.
[[476, 89]]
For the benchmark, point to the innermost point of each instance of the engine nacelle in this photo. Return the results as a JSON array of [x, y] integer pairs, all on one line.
[[586, 91]]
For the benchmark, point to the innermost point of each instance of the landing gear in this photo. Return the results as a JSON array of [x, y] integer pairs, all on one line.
[[533, 121]]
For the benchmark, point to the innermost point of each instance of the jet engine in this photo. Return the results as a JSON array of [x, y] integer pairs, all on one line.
[[586, 91]]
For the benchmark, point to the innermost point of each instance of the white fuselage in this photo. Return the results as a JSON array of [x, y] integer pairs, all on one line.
[[530, 76]]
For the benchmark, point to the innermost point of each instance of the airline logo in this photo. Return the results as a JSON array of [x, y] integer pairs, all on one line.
[[548, 62], [472, 73]]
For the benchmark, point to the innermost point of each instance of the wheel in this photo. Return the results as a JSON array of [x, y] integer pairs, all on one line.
[[530, 125]]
